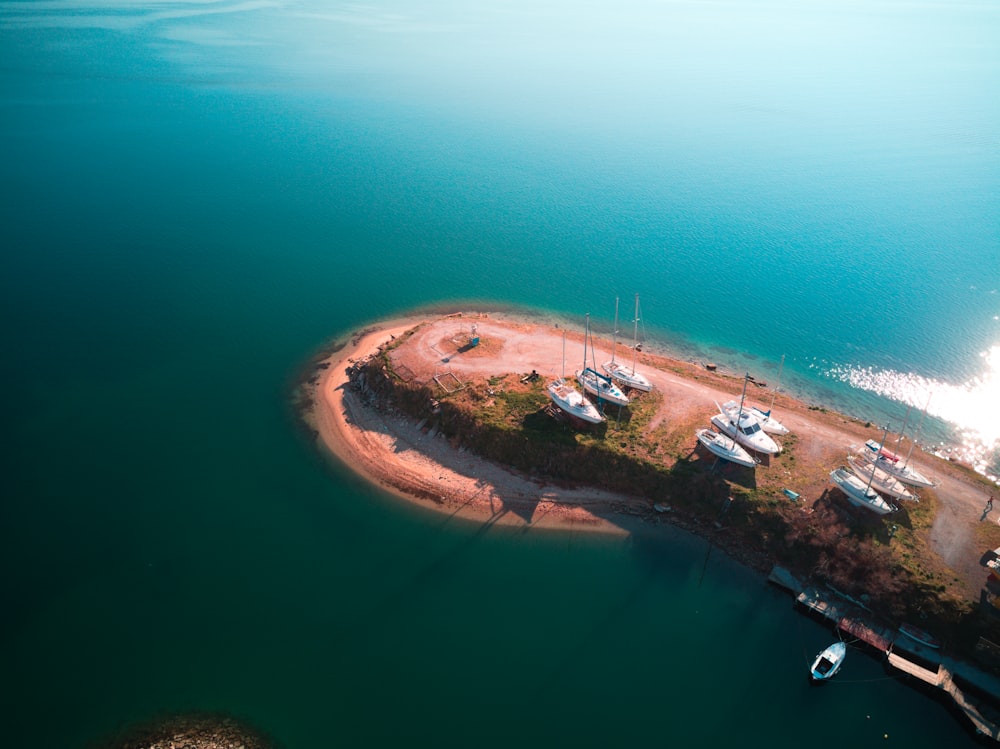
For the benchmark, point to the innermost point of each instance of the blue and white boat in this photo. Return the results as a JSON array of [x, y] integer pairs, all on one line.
[[594, 383], [828, 662]]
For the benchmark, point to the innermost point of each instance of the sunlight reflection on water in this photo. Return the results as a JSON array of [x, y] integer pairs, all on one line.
[[973, 408]]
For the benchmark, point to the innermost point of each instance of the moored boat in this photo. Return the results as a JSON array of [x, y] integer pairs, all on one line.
[[858, 492], [828, 662], [725, 447], [918, 635]]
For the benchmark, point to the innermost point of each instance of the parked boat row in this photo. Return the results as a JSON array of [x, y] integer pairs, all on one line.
[[880, 480], [597, 388], [627, 376]]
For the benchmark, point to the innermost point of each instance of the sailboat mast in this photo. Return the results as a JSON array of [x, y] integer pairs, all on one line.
[[739, 416], [906, 422], [874, 468], [563, 375], [774, 393], [635, 333], [614, 336], [920, 426]]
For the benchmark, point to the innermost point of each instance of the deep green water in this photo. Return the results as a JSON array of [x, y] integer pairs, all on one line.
[[199, 196]]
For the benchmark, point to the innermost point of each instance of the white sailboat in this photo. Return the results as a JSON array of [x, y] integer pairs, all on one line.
[[881, 481], [725, 447], [569, 400], [859, 493], [766, 418], [892, 464], [627, 376], [737, 423], [593, 382]]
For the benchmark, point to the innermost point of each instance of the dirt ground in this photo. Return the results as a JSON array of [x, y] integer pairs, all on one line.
[[398, 454]]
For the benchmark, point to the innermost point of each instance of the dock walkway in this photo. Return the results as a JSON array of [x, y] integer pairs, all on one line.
[[921, 663]]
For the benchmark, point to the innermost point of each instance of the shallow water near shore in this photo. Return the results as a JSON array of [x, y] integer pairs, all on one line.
[[201, 196]]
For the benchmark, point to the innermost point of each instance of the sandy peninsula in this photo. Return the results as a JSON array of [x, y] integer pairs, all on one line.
[[402, 455]]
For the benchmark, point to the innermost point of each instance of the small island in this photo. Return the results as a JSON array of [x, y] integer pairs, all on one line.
[[452, 411]]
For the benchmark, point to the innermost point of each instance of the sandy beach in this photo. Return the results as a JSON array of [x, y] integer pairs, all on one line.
[[395, 452]]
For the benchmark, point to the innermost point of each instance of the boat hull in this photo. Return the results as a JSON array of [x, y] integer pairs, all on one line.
[[890, 463], [881, 481], [571, 402], [601, 387], [627, 377], [858, 493], [919, 636], [725, 448], [758, 441], [767, 422]]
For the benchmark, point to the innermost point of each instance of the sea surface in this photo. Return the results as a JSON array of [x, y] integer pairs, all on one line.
[[200, 196]]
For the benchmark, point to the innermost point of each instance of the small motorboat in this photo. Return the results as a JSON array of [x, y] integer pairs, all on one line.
[[828, 662]]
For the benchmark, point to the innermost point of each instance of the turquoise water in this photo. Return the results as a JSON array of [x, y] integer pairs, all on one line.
[[198, 196]]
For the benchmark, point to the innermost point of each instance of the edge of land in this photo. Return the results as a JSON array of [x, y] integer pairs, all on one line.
[[412, 407]]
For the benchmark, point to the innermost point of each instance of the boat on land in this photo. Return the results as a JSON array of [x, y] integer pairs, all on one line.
[[601, 387], [892, 464], [858, 492], [570, 401], [881, 481], [593, 382], [738, 424], [918, 635], [725, 447], [627, 376], [767, 423], [767, 420], [828, 662]]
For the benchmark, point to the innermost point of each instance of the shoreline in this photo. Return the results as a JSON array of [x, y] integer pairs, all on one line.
[[391, 451], [407, 458]]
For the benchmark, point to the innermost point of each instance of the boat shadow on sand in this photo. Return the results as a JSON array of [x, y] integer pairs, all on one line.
[[879, 527]]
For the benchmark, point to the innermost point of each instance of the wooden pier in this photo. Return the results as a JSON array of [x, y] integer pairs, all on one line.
[[921, 663]]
